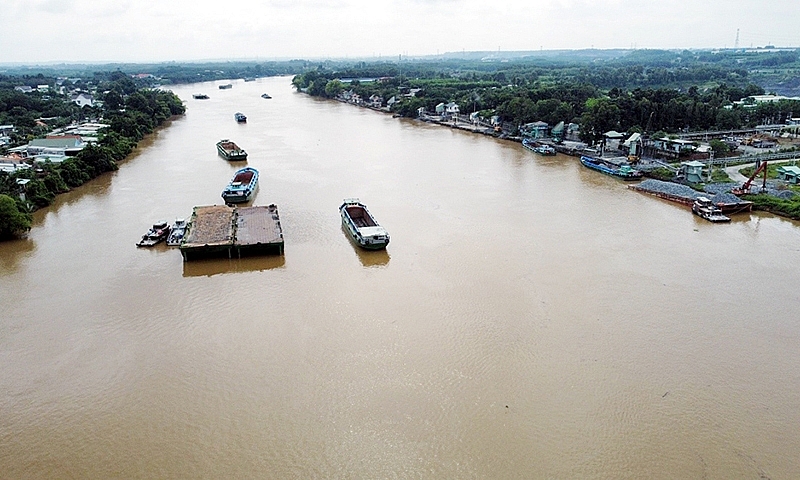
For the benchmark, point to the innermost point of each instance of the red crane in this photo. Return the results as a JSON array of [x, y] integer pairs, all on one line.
[[745, 188]]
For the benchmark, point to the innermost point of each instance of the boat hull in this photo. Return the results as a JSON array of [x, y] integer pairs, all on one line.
[[361, 226], [157, 234], [242, 186], [540, 148], [602, 167], [230, 151]]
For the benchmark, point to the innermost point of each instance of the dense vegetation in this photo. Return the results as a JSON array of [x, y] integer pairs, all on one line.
[[596, 110], [131, 112]]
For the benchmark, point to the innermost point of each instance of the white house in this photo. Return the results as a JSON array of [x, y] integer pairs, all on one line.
[[451, 108], [83, 99]]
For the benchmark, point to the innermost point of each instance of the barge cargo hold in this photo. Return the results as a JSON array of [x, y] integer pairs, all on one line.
[[361, 225], [242, 186], [230, 151], [228, 232]]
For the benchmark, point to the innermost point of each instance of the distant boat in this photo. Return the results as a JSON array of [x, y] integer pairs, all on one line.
[[242, 186], [177, 232], [240, 117], [230, 151], [157, 234], [249, 79], [538, 147], [265, 95], [361, 225], [625, 172], [200, 96], [226, 86]]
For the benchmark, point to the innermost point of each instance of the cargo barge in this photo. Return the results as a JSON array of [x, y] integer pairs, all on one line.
[[361, 225], [230, 151], [675, 192], [229, 232]]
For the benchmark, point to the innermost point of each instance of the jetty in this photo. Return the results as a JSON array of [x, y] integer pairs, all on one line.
[[223, 231]]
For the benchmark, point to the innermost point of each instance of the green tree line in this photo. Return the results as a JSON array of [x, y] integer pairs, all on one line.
[[132, 113]]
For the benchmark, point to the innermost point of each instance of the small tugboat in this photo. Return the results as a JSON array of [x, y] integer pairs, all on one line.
[[200, 96], [230, 151], [538, 147], [624, 171], [705, 208], [240, 117], [265, 95], [157, 234], [177, 232], [361, 225], [226, 86], [242, 186]]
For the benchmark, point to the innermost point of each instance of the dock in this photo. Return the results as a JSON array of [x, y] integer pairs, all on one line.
[[223, 231]]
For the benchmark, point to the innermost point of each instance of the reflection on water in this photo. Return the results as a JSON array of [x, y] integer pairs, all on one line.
[[368, 258], [372, 258], [216, 266], [13, 252]]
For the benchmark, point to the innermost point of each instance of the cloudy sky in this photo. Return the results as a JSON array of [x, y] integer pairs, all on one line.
[[34, 31]]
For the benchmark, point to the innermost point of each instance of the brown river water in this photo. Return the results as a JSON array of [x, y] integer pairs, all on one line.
[[530, 318]]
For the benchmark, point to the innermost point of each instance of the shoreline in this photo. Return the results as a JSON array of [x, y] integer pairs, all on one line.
[[572, 151]]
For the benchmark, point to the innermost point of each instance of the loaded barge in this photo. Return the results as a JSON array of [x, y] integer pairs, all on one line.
[[223, 231], [675, 192], [230, 151]]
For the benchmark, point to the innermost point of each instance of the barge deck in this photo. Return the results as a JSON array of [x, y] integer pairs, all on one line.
[[223, 231]]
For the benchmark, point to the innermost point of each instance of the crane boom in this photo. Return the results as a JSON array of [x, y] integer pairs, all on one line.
[[745, 188]]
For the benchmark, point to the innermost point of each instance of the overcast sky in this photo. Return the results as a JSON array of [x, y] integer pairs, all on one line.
[[34, 31]]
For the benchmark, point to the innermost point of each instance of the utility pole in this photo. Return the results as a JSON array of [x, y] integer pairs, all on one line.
[[736, 44]]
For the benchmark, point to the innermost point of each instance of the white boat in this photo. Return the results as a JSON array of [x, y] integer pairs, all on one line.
[[705, 208], [361, 225], [177, 233]]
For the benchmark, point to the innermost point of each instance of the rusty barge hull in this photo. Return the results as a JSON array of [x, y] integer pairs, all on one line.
[[228, 232]]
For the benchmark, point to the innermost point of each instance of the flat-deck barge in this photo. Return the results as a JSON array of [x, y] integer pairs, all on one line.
[[222, 231], [258, 231]]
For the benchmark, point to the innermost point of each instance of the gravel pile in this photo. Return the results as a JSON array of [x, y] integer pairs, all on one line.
[[715, 188], [659, 186], [784, 194], [725, 198]]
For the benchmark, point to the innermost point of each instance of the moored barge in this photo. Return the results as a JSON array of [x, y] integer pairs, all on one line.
[[361, 225], [228, 232], [538, 147], [623, 171], [157, 234], [704, 208]]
